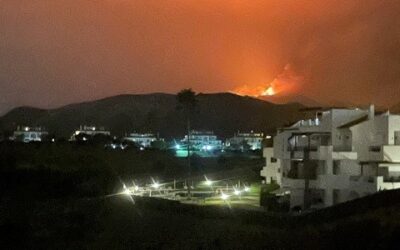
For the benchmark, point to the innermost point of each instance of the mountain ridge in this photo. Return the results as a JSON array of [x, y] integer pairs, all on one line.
[[224, 113]]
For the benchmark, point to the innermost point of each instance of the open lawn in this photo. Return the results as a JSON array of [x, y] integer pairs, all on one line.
[[56, 198]]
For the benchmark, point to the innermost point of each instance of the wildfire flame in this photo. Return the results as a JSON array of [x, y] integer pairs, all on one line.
[[286, 82], [269, 91]]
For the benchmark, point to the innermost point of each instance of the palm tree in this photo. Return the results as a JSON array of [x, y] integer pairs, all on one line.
[[187, 103]]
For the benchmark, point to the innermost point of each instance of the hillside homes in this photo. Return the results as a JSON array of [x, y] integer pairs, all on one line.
[[29, 134], [144, 140], [87, 132], [342, 154], [252, 140]]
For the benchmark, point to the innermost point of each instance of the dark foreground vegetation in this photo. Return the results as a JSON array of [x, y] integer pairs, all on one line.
[[54, 198]]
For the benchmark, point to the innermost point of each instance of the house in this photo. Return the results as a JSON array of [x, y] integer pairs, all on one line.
[[29, 134], [143, 140], [342, 154], [87, 132], [202, 141], [251, 140]]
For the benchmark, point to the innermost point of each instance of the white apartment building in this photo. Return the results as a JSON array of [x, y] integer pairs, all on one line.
[[143, 140], [203, 141], [340, 155], [89, 131], [29, 134], [254, 140]]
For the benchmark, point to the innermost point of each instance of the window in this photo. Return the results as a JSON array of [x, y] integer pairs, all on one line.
[[273, 159], [336, 167], [375, 149]]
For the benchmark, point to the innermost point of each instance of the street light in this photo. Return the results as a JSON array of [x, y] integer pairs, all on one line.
[[126, 191], [224, 196], [237, 192], [155, 185], [207, 182]]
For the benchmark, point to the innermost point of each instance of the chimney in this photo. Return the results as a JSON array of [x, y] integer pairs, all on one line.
[[371, 112]]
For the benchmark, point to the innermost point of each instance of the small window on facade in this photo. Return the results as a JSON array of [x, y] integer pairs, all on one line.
[[273, 159], [336, 167]]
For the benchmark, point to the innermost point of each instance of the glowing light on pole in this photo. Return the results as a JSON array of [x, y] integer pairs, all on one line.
[[126, 191], [155, 185], [237, 192], [224, 196], [207, 182]]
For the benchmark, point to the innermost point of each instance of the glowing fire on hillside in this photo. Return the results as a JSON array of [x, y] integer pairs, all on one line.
[[285, 83], [268, 92]]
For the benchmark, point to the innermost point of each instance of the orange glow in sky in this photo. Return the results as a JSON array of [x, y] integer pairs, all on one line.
[[83, 51]]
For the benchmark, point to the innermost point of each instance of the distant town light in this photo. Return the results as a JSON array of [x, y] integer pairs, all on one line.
[[246, 189], [155, 185], [268, 137]]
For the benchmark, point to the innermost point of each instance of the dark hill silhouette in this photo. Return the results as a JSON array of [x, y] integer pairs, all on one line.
[[225, 113]]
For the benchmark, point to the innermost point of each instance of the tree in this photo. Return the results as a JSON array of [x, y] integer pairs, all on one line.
[[187, 103]]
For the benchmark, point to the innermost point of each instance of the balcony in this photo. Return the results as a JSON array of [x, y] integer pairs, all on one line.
[[384, 183], [297, 183], [326, 152], [371, 184], [386, 153]]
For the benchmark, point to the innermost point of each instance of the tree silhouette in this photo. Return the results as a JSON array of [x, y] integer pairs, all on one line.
[[187, 103]]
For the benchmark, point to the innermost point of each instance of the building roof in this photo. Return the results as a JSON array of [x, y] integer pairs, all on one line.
[[354, 122]]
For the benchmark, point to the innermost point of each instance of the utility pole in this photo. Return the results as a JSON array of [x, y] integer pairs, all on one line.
[[189, 158]]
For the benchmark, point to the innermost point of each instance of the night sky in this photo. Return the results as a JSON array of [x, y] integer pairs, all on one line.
[[54, 52]]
